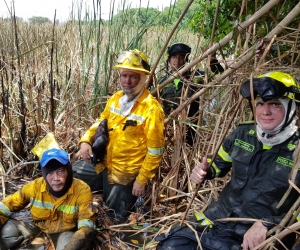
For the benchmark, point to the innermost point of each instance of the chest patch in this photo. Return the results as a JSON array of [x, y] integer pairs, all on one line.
[[244, 145], [285, 162]]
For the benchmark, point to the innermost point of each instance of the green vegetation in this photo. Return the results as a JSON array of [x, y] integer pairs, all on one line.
[[39, 19], [152, 16], [57, 77], [232, 12], [138, 17]]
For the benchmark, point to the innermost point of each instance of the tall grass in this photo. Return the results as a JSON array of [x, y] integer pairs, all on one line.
[[74, 61]]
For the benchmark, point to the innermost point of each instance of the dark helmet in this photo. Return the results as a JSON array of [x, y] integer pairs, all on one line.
[[178, 48]]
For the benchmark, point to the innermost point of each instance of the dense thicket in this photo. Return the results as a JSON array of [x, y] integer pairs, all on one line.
[[57, 77]]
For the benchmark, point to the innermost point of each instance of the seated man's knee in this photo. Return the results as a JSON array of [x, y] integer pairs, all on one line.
[[62, 239], [10, 235]]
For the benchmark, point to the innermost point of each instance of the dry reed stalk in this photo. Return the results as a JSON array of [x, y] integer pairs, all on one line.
[[153, 200], [213, 156], [175, 164], [267, 243], [78, 94], [2, 171], [219, 45], [215, 133], [292, 176], [51, 82]]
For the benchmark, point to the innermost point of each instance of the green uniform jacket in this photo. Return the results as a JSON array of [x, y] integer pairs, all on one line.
[[171, 93], [134, 151], [259, 178]]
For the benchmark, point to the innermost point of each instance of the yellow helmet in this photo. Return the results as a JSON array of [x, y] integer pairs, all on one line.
[[272, 85], [134, 60]]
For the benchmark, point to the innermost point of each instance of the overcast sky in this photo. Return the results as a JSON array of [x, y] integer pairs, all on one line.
[[46, 8]]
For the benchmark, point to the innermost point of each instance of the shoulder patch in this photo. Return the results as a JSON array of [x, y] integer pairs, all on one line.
[[251, 132], [291, 147]]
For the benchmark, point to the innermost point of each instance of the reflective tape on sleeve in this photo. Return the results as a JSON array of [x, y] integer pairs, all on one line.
[[224, 155], [216, 169], [204, 221], [86, 223], [155, 151], [5, 210]]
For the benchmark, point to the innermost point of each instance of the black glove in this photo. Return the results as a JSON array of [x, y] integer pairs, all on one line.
[[100, 141]]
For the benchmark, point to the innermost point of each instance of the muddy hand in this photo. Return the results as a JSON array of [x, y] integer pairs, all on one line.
[[85, 151]]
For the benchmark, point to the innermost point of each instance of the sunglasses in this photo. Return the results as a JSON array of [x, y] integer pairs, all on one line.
[[267, 88], [133, 59]]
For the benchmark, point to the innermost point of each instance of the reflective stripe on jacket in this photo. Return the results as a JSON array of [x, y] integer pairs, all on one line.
[[172, 92], [202, 219], [259, 177], [70, 212], [134, 151]]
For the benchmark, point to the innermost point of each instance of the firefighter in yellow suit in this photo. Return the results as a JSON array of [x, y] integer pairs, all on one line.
[[60, 205], [135, 121]]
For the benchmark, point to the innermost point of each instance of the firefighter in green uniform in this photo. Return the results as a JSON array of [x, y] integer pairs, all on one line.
[[178, 56], [260, 157]]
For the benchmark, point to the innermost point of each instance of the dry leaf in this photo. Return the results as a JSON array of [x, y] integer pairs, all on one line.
[[135, 242], [38, 241]]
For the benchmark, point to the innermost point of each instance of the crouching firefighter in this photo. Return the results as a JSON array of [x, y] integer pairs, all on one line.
[[60, 205], [260, 155]]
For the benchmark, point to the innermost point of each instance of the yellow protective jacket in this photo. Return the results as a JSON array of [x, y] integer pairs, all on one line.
[[72, 211], [134, 151]]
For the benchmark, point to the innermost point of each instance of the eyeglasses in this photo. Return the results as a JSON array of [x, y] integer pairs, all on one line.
[[133, 59], [267, 88]]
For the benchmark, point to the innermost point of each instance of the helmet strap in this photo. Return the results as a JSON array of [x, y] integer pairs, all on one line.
[[146, 66], [251, 107], [167, 66], [288, 119]]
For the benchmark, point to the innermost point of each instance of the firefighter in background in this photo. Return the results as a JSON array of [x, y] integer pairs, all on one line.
[[135, 124], [178, 56]]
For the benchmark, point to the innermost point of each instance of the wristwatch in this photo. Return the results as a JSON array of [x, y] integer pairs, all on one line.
[[268, 222]]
